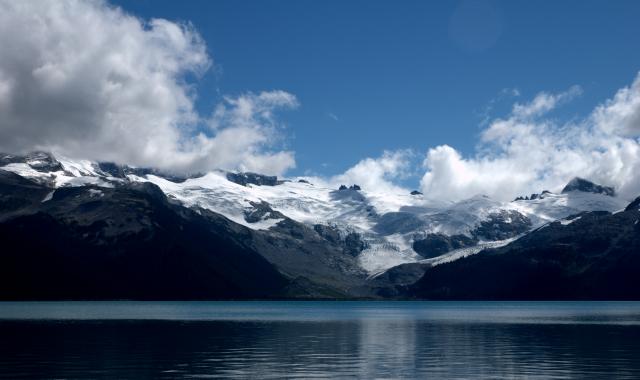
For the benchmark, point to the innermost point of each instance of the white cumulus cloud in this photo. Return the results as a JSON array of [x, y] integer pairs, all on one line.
[[376, 175], [86, 79], [621, 115], [528, 152]]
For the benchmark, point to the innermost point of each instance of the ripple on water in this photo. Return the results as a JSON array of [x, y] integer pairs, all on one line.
[[363, 340]]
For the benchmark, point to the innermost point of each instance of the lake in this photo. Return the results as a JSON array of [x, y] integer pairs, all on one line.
[[457, 340]]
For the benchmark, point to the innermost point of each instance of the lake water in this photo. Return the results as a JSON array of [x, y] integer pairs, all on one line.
[[458, 340]]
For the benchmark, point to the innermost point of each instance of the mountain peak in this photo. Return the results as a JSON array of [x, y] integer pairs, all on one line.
[[586, 186], [38, 160]]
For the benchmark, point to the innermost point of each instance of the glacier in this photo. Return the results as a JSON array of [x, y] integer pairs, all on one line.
[[388, 223]]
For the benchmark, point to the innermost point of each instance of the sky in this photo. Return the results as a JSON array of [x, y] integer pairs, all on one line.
[[453, 98], [376, 75]]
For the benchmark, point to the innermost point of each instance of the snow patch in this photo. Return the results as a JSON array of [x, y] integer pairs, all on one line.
[[95, 193], [347, 211], [566, 222], [559, 206], [25, 171], [386, 253], [466, 252], [48, 197], [78, 168], [75, 177]]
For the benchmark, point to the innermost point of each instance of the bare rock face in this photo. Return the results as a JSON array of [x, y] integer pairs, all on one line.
[[352, 244], [261, 211], [435, 245], [352, 187], [580, 184], [41, 161], [533, 196], [328, 233], [253, 178], [502, 225]]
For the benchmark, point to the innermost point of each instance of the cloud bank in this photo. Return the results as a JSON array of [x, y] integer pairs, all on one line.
[[528, 151], [88, 80]]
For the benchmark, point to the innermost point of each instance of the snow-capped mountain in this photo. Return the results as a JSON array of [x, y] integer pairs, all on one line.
[[390, 229]]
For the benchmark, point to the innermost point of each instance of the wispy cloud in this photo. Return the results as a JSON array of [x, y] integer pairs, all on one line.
[[503, 95], [332, 116], [545, 102]]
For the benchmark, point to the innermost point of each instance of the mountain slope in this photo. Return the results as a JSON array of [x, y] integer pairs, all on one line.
[[134, 232], [387, 225], [126, 242], [246, 235], [593, 255]]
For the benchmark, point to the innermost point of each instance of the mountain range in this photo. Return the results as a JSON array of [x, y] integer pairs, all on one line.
[[76, 229]]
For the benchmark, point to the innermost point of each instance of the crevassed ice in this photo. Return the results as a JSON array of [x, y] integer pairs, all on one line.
[[317, 204]]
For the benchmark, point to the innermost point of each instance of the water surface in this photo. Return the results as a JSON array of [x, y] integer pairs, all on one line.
[[320, 339]]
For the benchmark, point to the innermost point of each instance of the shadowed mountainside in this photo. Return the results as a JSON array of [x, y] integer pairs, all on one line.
[[593, 255]]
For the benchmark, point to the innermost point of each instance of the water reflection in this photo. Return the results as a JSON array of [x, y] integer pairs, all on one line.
[[362, 348]]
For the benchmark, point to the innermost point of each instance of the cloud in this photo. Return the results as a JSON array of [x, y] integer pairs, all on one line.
[[244, 126], [621, 114], [333, 116], [527, 152], [504, 94], [376, 175], [87, 80], [545, 102]]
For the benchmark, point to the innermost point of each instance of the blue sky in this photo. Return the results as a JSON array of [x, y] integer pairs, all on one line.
[[455, 98], [376, 75]]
